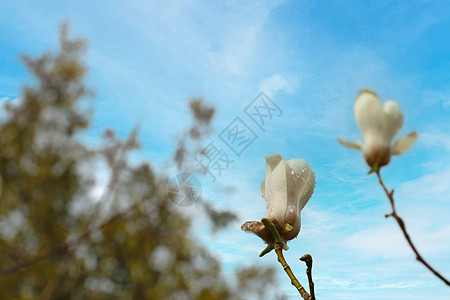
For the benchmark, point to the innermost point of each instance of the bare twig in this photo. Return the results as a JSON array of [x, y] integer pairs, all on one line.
[[307, 258], [401, 224]]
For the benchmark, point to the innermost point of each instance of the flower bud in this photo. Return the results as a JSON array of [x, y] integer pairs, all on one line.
[[287, 187]]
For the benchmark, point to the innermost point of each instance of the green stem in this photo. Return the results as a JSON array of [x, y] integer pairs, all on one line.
[[278, 245], [273, 230], [287, 269]]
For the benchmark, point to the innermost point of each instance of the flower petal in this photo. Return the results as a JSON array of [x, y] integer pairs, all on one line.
[[275, 187], [369, 113], [393, 119], [259, 229], [300, 186], [348, 144], [404, 143], [263, 188], [271, 162], [305, 181]]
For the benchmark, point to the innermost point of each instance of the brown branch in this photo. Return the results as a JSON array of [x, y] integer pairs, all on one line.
[[307, 258], [402, 226]]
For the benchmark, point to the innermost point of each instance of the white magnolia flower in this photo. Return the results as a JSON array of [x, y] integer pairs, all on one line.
[[379, 125], [287, 187]]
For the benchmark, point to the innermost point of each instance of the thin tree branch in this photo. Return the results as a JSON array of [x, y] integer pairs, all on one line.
[[401, 224], [307, 258]]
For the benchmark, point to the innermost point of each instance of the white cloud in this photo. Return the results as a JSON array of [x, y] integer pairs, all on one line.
[[278, 83], [381, 240], [430, 187], [439, 139], [222, 38], [13, 100], [431, 97]]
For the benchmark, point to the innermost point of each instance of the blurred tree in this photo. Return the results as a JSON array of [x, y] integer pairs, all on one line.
[[57, 242]]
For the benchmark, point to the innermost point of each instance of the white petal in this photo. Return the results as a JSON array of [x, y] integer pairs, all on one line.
[[306, 183], [263, 188], [404, 143], [393, 119], [369, 114], [351, 145], [276, 187], [300, 186], [272, 162]]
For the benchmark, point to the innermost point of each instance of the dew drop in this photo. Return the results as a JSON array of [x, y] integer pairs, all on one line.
[[291, 208]]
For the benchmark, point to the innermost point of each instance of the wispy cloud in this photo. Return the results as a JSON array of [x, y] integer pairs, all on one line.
[[433, 187], [436, 139], [279, 83]]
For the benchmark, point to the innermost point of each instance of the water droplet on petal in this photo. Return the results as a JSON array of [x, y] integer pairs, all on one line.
[[291, 208]]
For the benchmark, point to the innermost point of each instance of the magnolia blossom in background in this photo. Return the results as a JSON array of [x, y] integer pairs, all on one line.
[[379, 125], [287, 187]]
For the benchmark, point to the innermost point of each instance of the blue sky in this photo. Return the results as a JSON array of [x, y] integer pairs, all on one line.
[[147, 58]]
